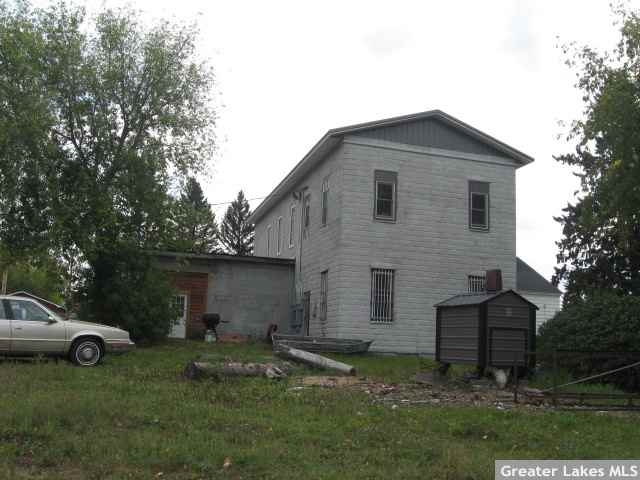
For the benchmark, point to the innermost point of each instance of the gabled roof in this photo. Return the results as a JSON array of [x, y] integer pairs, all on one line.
[[334, 136], [470, 299], [528, 280]]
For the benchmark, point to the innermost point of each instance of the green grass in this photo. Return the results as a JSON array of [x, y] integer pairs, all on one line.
[[134, 417]]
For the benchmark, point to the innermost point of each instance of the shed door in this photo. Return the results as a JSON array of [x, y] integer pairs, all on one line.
[[507, 345], [179, 329]]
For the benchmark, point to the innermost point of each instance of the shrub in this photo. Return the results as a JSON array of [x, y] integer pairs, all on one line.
[[123, 288], [605, 322]]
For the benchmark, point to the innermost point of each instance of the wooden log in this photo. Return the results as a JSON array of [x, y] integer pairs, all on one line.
[[217, 371], [314, 360]]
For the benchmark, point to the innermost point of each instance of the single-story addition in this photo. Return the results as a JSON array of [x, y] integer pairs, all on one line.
[[248, 293]]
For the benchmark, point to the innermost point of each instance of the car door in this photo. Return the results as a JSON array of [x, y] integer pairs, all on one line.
[[33, 329], [5, 330]]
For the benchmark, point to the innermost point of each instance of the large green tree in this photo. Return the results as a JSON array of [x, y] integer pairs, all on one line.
[[194, 223], [236, 233], [600, 248], [97, 114]]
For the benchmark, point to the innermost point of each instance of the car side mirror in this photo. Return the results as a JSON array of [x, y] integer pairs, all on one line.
[[50, 319]]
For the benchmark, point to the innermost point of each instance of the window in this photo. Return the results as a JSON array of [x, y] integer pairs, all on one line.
[[476, 283], [382, 295], [29, 311], [292, 223], [306, 211], [268, 240], [324, 285], [180, 305], [325, 200], [479, 205], [385, 195], [279, 240]]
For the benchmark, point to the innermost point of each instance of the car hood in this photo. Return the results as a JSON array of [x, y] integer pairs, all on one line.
[[96, 326]]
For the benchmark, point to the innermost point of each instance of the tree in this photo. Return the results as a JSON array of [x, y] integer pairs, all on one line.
[[601, 244], [194, 223], [236, 233], [96, 117]]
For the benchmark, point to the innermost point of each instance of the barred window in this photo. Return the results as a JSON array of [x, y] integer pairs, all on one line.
[[382, 295], [292, 223], [268, 240], [477, 283]]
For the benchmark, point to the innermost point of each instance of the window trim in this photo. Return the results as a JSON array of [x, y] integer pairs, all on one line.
[[292, 216], [269, 228], [477, 188], [386, 177], [279, 239], [306, 211], [474, 281], [324, 295], [325, 201], [383, 315]]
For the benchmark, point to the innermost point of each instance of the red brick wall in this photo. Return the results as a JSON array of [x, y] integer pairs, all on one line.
[[195, 286]]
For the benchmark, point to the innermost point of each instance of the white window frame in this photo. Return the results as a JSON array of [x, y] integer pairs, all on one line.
[[325, 201], [279, 239], [306, 211], [324, 289], [382, 295], [378, 216], [292, 223], [485, 224], [268, 240], [476, 283]]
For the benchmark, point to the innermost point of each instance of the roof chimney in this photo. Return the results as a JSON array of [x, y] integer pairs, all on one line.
[[494, 281]]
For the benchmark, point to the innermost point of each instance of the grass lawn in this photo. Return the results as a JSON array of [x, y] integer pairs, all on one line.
[[134, 417]]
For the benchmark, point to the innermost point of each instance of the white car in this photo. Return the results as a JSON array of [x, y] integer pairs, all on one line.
[[29, 328]]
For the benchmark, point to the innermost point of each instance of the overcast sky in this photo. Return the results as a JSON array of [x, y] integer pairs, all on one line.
[[289, 71]]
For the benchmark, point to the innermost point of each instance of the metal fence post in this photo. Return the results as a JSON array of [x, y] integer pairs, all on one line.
[[554, 395], [515, 378]]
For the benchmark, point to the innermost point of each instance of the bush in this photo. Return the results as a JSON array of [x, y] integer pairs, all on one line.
[[124, 289], [605, 322]]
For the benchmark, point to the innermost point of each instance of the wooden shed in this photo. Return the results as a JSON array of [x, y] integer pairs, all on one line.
[[486, 329]]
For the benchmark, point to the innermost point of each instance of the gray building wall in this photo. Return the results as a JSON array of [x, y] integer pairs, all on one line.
[[249, 295], [548, 304], [430, 246], [316, 250]]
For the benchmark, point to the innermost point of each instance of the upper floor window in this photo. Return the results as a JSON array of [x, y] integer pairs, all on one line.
[[325, 200], [279, 239], [306, 211], [386, 186], [292, 222], [268, 240], [479, 205], [477, 283]]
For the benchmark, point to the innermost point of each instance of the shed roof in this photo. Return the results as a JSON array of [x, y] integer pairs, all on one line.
[[223, 257], [334, 136], [470, 299], [528, 280]]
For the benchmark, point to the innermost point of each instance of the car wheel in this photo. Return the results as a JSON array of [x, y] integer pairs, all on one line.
[[86, 352]]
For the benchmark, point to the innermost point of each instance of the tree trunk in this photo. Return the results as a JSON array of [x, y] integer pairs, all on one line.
[[314, 360], [5, 278], [217, 371]]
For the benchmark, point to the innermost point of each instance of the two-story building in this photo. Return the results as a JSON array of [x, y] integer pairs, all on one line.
[[385, 219]]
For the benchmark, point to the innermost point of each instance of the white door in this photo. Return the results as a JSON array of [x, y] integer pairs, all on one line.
[[179, 329]]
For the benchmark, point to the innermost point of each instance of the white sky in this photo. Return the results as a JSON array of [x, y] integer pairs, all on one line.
[[289, 71]]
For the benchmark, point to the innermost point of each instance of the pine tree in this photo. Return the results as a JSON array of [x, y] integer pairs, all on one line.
[[236, 233], [195, 229]]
